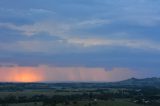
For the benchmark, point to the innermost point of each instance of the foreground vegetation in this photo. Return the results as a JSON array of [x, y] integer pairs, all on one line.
[[80, 103], [71, 95]]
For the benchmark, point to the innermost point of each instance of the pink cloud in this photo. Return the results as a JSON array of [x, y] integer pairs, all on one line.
[[53, 74]]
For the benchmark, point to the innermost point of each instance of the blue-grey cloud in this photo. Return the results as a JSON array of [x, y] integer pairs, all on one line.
[[89, 33]]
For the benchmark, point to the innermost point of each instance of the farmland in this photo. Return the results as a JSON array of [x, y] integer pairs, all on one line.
[[77, 94]]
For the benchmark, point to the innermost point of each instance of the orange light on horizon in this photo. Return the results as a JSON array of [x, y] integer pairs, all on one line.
[[46, 73], [21, 74], [27, 76]]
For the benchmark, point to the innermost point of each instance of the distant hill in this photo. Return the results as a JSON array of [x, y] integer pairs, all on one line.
[[153, 82], [129, 83]]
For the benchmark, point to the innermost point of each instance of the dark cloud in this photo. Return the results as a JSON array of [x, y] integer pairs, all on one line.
[[89, 33]]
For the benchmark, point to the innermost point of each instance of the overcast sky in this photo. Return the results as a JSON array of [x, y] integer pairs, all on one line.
[[79, 40]]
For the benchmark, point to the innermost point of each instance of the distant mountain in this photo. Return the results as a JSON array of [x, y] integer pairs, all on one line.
[[153, 82], [129, 83]]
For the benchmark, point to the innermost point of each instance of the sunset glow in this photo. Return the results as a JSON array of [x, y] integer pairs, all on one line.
[[27, 76], [20, 74], [53, 74], [79, 40]]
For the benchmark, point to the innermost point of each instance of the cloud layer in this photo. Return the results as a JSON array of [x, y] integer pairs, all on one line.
[[84, 35], [64, 74]]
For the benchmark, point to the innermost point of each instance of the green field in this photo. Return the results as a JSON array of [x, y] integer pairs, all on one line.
[[71, 95], [119, 102]]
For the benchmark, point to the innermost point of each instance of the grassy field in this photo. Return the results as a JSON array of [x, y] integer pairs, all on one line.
[[65, 96], [118, 102], [30, 93], [104, 103]]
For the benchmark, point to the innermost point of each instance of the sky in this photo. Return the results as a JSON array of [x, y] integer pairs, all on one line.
[[79, 40]]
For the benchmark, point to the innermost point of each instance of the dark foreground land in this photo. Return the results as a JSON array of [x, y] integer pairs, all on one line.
[[132, 92]]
